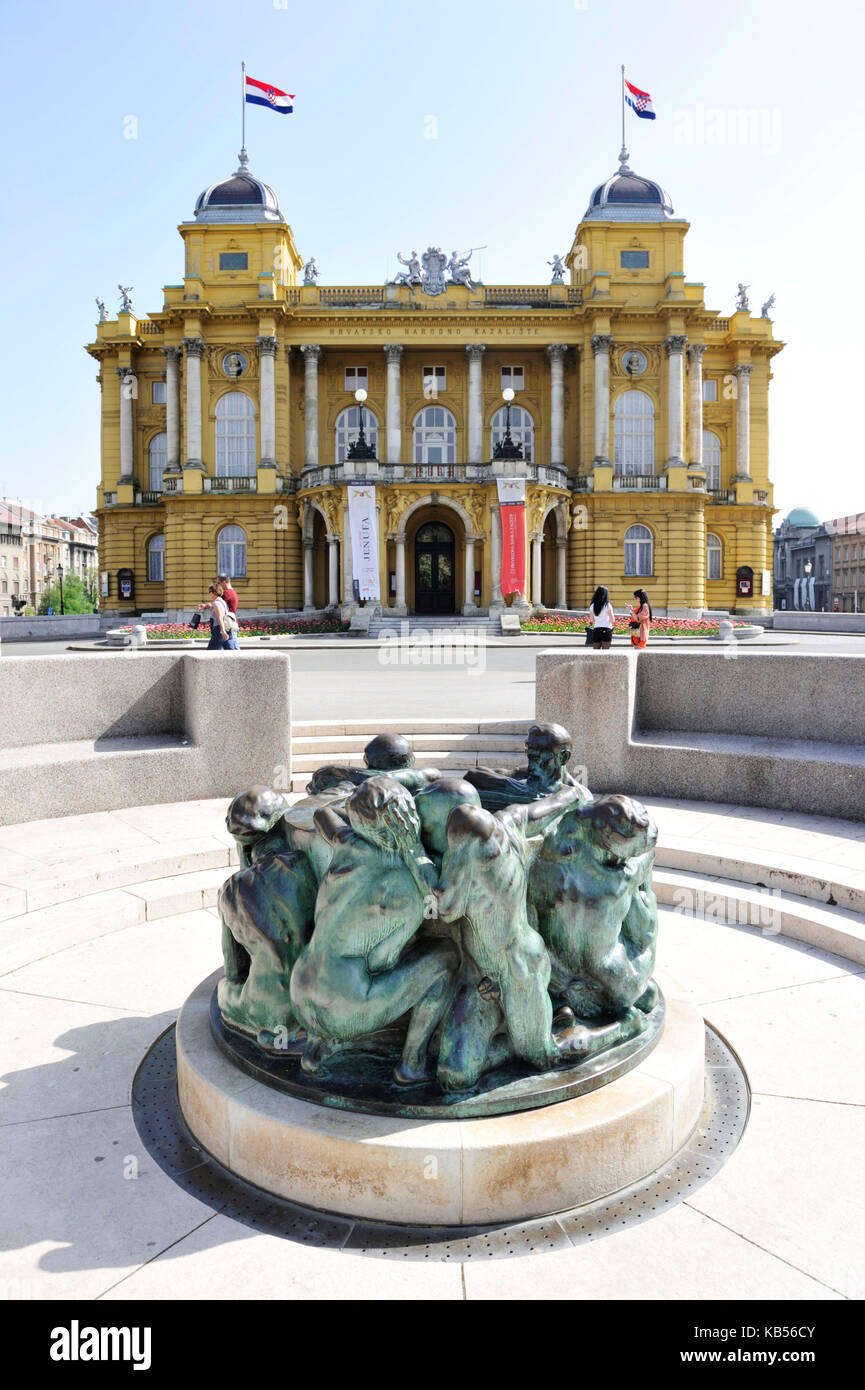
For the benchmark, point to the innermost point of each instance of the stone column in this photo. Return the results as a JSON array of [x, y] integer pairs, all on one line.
[[399, 541], [311, 354], [556, 353], [743, 424], [469, 606], [332, 571], [695, 405], [537, 554], [267, 401], [561, 574], [475, 353], [393, 418], [172, 408], [601, 345], [674, 346], [307, 577], [128, 392], [496, 555], [194, 352]]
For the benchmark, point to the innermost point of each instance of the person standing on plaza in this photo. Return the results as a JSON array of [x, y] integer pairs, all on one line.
[[641, 619], [601, 618]]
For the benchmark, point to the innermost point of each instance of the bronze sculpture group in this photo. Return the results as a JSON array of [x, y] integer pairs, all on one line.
[[453, 924]]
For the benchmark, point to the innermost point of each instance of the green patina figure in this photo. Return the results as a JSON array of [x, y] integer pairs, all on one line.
[[364, 968], [590, 887], [549, 748], [267, 912]]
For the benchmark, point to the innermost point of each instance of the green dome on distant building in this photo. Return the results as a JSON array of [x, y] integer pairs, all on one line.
[[803, 516]]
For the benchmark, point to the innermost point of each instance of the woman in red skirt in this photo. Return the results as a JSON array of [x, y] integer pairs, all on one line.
[[641, 614]]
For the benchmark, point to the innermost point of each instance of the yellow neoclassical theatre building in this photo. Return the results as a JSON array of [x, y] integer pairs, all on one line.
[[637, 417]]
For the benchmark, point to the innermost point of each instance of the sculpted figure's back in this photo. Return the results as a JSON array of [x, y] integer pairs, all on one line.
[[363, 970]]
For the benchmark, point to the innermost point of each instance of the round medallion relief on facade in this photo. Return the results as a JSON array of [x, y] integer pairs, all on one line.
[[234, 364], [634, 363]]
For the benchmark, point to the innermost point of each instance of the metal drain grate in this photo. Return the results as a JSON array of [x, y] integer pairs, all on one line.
[[168, 1141]]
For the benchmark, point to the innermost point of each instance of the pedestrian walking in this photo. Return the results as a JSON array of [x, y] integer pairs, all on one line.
[[223, 624], [641, 619], [601, 619]]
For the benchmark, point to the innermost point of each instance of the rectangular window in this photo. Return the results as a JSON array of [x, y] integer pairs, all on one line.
[[159, 393], [434, 380], [513, 377], [355, 378], [233, 260], [713, 557], [634, 260], [710, 390]]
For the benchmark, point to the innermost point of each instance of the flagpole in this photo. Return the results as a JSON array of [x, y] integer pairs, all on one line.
[[243, 106], [623, 111]]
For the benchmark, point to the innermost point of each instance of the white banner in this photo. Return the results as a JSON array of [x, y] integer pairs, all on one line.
[[363, 525], [512, 491]]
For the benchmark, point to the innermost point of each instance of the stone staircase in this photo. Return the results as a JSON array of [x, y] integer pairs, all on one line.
[[446, 624], [454, 745]]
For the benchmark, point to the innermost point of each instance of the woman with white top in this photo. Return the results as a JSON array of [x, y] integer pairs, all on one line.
[[601, 619], [222, 637]]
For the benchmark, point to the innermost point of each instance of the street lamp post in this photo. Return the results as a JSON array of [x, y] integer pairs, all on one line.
[[60, 577], [808, 569], [506, 448], [359, 449]]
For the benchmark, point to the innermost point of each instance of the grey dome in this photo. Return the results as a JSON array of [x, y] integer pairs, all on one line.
[[627, 197], [242, 198]]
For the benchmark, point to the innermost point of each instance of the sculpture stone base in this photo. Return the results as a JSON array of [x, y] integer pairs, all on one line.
[[444, 1171]]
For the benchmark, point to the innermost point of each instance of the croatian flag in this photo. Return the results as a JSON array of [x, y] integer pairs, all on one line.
[[262, 94], [638, 101]]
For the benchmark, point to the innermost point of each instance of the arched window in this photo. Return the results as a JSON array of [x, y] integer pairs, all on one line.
[[231, 552], [633, 433], [235, 436], [712, 460], [435, 436], [638, 551], [348, 428], [156, 558], [522, 430], [714, 553], [158, 460]]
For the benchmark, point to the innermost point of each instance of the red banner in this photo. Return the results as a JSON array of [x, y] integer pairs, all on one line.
[[513, 549]]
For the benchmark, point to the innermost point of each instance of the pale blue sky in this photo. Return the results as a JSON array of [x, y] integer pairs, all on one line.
[[526, 97]]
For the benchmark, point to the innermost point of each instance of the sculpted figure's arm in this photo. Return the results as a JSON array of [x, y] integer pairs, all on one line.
[[537, 816], [332, 824], [325, 777]]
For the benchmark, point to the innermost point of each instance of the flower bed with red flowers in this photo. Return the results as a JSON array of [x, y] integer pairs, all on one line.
[[247, 627], [661, 627]]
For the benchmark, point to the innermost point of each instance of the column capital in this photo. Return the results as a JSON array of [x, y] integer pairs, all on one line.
[[393, 352], [695, 352], [194, 347], [267, 345], [674, 344], [601, 343], [311, 352], [744, 370], [475, 351], [172, 354], [556, 351], [125, 373]]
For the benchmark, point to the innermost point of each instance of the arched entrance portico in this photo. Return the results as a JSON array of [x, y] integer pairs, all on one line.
[[435, 558]]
